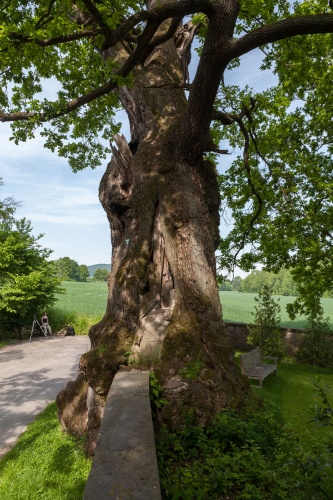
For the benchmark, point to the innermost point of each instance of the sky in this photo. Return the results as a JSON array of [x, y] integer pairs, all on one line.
[[63, 205]]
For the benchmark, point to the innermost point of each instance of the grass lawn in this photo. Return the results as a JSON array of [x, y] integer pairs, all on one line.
[[83, 298], [45, 463], [48, 464], [83, 305], [292, 394]]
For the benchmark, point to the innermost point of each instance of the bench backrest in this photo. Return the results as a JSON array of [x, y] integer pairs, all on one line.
[[252, 358]]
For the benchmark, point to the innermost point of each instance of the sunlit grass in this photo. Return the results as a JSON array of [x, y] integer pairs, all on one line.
[[239, 307], [84, 298], [83, 305], [45, 463], [293, 396]]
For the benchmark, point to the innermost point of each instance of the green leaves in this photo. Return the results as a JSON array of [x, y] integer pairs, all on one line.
[[290, 158], [69, 270], [48, 60], [27, 280]]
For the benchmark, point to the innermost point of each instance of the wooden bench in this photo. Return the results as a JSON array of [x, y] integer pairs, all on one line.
[[252, 365]]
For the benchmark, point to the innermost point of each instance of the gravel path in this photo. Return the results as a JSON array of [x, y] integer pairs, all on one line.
[[31, 375]]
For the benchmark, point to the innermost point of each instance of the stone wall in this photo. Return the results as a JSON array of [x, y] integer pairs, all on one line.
[[238, 333]]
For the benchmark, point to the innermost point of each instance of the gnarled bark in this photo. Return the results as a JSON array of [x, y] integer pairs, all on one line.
[[163, 306]]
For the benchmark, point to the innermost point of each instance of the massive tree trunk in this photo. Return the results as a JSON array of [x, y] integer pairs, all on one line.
[[162, 201]]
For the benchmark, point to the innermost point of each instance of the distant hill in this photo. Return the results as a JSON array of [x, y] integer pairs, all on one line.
[[93, 268]]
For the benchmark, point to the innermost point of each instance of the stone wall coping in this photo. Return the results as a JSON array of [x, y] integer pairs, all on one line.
[[125, 465]]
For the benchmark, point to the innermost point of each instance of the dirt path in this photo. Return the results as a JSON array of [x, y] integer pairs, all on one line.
[[31, 375]]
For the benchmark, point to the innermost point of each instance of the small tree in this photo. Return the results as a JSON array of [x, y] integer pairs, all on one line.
[[265, 332], [101, 275], [83, 272]]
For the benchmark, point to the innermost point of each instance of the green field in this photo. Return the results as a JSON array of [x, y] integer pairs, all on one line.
[[88, 300], [240, 306], [83, 298], [83, 305]]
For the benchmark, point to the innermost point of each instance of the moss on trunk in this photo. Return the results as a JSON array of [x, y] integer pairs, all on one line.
[[163, 310]]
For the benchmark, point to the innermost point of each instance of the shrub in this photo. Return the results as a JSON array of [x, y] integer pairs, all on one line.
[[323, 414], [248, 456], [316, 344]]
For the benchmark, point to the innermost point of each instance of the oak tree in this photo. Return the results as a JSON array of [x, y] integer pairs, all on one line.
[[161, 190]]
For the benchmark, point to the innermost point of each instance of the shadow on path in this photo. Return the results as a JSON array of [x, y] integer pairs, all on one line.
[[31, 375]]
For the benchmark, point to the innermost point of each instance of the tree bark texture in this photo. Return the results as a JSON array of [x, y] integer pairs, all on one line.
[[163, 311]]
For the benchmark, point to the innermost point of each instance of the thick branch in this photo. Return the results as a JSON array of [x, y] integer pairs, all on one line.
[[223, 118], [286, 28], [219, 49], [156, 16]]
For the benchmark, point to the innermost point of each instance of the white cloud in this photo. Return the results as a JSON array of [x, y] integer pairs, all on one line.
[[60, 204]]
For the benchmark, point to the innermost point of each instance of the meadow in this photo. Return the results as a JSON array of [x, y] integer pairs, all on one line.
[[84, 304], [239, 307]]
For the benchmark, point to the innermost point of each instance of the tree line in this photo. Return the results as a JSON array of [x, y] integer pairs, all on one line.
[[281, 283], [69, 270]]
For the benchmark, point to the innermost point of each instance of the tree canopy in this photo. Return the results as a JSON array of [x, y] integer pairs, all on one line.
[[279, 189], [101, 275], [27, 279], [69, 270]]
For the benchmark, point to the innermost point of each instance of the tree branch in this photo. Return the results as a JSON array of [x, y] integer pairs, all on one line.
[[293, 26], [97, 17], [157, 16], [56, 40], [46, 17], [239, 120], [224, 118], [70, 106]]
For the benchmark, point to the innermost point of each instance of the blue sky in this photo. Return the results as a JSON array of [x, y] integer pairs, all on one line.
[[64, 206]]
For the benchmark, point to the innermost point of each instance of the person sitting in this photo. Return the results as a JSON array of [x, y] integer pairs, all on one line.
[[45, 324], [70, 331]]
